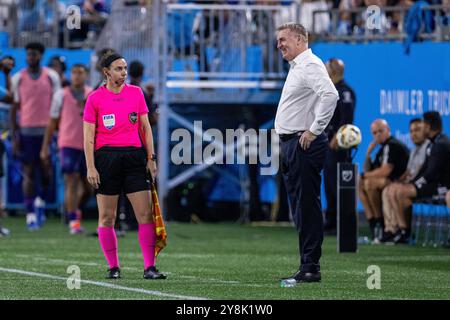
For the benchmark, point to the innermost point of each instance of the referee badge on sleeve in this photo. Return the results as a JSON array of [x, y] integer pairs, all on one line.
[[133, 117]]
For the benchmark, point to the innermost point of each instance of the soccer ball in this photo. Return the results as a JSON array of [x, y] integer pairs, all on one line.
[[348, 136]]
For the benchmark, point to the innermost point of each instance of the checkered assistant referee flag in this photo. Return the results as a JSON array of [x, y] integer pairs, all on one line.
[[161, 235]]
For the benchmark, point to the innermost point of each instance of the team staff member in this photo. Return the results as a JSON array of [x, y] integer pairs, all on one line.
[[434, 176], [307, 103], [67, 112], [389, 165], [343, 114], [115, 123]]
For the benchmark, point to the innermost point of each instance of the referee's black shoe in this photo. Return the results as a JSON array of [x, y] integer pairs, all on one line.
[[113, 273], [301, 276], [153, 273]]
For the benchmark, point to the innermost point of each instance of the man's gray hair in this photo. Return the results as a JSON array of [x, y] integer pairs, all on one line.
[[296, 28]]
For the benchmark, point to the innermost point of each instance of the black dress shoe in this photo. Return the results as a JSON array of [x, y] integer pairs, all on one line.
[[113, 273], [308, 277], [153, 273], [301, 276]]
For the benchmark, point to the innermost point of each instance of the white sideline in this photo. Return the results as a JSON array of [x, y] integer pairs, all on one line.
[[104, 284]]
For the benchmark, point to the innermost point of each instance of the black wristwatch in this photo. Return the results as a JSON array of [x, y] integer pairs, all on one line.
[[152, 157]]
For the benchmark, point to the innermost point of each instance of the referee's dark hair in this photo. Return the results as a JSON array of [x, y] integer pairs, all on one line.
[[35, 46], [136, 69], [433, 118], [108, 58]]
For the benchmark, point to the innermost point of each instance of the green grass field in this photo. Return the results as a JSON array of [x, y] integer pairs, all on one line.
[[212, 261]]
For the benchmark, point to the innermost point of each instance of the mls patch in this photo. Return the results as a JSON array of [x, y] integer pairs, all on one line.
[[109, 121], [132, 117]]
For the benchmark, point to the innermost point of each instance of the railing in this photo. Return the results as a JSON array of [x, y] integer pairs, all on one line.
[[8, 21], [365, 24], [33, 21], [222, 42], [129, 31]]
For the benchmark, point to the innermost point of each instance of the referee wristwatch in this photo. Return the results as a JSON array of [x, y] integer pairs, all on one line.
[[152, 157]]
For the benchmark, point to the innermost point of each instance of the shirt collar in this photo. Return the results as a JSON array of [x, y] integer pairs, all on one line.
[[300, 58]]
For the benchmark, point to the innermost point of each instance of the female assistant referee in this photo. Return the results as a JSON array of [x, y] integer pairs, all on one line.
[[115, 126]]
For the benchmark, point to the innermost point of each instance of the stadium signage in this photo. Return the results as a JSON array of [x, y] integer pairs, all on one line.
[[210, 147], [414, 102]]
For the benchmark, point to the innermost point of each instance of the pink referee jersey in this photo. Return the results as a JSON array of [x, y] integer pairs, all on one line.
[[116, 116], [70, 112]]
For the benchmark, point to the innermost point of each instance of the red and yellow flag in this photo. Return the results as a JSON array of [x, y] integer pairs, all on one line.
[[161, 235]]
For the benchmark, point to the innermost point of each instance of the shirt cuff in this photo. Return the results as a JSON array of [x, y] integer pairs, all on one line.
[[316, 129]]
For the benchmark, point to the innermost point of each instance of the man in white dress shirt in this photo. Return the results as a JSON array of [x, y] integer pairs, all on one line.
[[306, 106]]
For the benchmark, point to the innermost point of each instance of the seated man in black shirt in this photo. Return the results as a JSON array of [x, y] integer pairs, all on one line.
[[389, 165], [434, 176]]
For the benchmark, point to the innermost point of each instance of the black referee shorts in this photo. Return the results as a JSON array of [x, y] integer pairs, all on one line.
[[121, 168]]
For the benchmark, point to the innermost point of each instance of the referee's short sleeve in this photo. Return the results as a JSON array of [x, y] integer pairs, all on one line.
[[90, 110], [142, 105]]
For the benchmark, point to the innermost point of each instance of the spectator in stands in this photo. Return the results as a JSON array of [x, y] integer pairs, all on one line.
[[94, 14], [416, 160], [321, 21], [67, 114], [434, 176], [343, 114], [389, 165], [33, 88], [58, 63], [54, 14], [348, 20], [40, 15], [28, 15]]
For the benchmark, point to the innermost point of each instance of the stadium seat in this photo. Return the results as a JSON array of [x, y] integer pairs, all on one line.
[[4, 40], [432, 217]]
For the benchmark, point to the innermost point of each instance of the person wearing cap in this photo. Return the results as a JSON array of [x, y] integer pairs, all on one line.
[[119, 151]]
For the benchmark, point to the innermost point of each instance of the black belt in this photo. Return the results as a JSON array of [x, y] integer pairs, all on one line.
[[286, 137]]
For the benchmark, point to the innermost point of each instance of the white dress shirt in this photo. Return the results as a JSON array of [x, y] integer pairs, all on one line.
[[308, 98]]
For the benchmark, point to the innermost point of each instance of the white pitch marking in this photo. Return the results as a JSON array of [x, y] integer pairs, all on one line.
[[104, 284]]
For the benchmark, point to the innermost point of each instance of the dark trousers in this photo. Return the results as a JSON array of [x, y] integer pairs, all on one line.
[[301, 173], [330, 182]]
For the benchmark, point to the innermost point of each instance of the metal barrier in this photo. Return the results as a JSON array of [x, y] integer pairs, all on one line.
[[128, 30], [8, 22], [221, 42], [34, 21], [379, 23]]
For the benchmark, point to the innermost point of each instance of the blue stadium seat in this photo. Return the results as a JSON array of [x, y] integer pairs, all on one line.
[[187, 65], [432, 218], [4, 40]]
